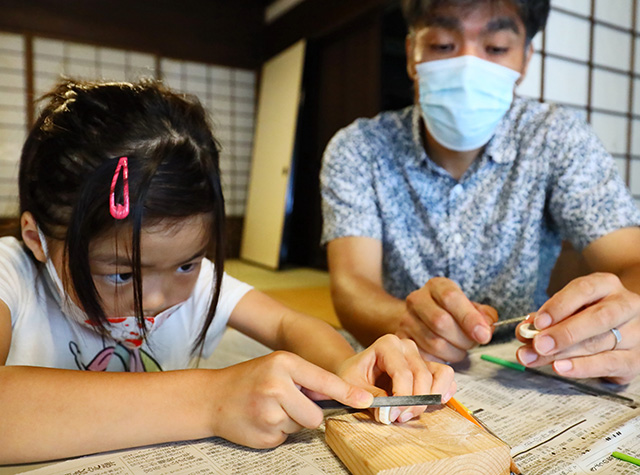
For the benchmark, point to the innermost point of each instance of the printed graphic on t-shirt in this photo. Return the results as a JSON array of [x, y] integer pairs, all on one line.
[[116, 358]]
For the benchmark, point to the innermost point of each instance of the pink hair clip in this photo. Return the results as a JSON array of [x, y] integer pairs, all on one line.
[[120, 211]]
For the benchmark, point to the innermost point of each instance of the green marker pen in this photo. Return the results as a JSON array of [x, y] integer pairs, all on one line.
[[626, 458], [505, 363], [585, 388]]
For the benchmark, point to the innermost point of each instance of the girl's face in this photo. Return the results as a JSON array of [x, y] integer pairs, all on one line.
[[171, 254]]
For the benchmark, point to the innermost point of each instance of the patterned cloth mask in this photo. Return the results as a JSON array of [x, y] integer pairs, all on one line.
[[463, 99], [123, 330]]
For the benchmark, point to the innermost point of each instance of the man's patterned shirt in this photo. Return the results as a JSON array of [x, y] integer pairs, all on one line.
[[496, 232]]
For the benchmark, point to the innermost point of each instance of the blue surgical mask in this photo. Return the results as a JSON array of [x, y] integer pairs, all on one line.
[[463, 99]]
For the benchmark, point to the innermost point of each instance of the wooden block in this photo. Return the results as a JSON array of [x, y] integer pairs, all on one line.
[[441, 442]]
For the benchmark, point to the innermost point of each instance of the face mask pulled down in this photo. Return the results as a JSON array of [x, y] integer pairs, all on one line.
[[125, 330], [463, 99]]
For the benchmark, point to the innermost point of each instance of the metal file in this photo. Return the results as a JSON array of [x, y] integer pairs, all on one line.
[[389, 401]]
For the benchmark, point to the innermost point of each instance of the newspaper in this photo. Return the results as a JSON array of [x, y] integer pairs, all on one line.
[[304, 453], [552, 429]]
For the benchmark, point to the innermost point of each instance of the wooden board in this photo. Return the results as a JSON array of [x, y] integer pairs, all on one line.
[[441, 442]]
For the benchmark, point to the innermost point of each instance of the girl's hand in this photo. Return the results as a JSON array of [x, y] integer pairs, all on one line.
[[393, 365], [260, 402], [576, 336]]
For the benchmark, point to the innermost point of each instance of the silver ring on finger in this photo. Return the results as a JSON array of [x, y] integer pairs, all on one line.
[[618, 336]]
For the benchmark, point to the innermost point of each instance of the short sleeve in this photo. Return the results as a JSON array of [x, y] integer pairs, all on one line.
[[349, 205], [588, 198], [16, 271]]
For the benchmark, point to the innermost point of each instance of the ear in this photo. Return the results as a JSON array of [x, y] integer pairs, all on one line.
[[527, 58], [30, 236], [411, 61]]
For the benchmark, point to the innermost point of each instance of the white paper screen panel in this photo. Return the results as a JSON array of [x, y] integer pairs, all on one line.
[[53, 59], [588, 59], [228, 94], [12, 118]]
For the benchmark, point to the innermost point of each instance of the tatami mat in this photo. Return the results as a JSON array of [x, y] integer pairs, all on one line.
[[262, 278], [304, 290]]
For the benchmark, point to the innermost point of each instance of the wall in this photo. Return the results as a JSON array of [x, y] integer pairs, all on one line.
[[314, 19], [212, 31]]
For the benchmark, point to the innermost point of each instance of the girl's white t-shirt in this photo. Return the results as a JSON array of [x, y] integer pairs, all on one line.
[[42, 335]]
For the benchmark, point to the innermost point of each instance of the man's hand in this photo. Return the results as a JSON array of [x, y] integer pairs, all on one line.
[[576, 334], [443, 322]]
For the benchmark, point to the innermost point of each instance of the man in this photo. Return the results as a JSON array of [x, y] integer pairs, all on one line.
[[442, 217]]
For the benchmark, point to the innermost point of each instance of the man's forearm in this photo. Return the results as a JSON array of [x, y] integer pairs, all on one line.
[[630, 278]]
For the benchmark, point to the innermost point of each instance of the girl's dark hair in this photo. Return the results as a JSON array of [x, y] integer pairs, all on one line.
[[69, 160], [533, 13]]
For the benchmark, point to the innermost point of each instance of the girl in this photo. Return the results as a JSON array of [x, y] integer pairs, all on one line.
[[120, 202]]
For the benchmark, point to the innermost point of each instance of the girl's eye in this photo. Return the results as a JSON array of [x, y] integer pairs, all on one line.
[[122, 278], [187, 268]]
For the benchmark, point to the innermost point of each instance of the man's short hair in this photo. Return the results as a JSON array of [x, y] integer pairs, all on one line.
[[533, 13]]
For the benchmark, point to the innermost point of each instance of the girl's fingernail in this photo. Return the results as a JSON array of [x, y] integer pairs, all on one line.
[[527, 355], [395, 413], [563, 366], [406, 416], [366, 398], [383, 414], [542, 320]]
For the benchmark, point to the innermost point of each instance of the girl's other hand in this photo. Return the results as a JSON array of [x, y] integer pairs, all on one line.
[[260, 402], [393, 365]]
